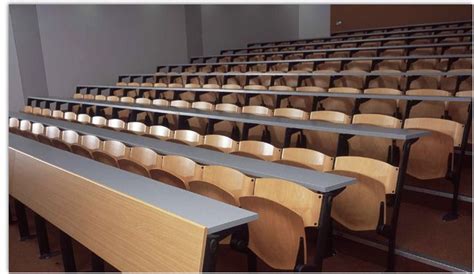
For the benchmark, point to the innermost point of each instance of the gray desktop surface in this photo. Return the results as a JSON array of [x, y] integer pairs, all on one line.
[[317, 181], [214, 215], [351, 129]]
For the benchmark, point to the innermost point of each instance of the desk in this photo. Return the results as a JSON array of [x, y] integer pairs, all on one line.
[[133, 222]]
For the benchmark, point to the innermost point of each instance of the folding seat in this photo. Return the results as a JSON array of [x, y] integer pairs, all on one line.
[[392, 64], [70, 116], [362, 206], [37, 111], [284, 210], [99, 121], [458, 111], [25, 126], [177, 171], [198, 124], [187, 137], [223, 184], [433, 109], [432, 155], [423, 63], [324, 142], [36, 129], [111, 152], [383, 84], [306, 158], [140, 160], [137, 128], [46, 112], [255, 132], [13, 125], [344, 84], [83, 118], [258, 150], [219, 143], [373, 147], [160, 132], [424, 81], [282, 137], [87, 144], [50, 133], [116, 124], [456, 83], [331, 65], [68, 137], [28, 109], [173, 119], [227, 128]]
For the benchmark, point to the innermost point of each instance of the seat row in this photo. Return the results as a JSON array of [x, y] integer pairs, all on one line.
[[285, 209]]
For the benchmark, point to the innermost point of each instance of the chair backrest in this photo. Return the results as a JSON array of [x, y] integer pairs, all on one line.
[[28, 109], [113, 98], [258, 150], [257, 110], [291, 113], [145, 156], [188, 137], [78, 96], [37, 128], [220, 143], [378, 170], [88, 97], [46, 112], [70, 137], [99, 121], [330, 116], [70, 116], [87, 144], [183, 169], [223, 183], [37, 110], [202, 105], [58, 114], [127, 100], [160, 132], [306, 158], [137, 127], [161, 102], [116, 124], [180, 104], [224, 107], [13, 122], [100, 97], [52, 132], [144, 101], [111, 152], [84, 118], [377, 120]]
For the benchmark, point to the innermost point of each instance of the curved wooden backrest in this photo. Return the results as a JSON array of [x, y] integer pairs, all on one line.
[[343, 90], [116, 124], [192, 85], [161, 102], [291, 113], [330, 116], [78, 96], [91, 142], [28, 109], [231, 86], [89, 97], [133, 166], [428, 92], [37, 128], [175, 85], [383, 172], [37, 110], [83, 118], [451, 128], [100, 98], [306, 158], [202, 105], [13, 122], [212, 191], [458, 111], [275, 236], [380, 106], [377, 120], [115, 148], [167, 178], [184, 168], [160, 132], [188, 137], [255, 87], [220, 143], [99, 121], [113, 98], [52, 132], [257, 110], [358, 206], [145, 156], [311, 89], [301, 200], [259, 150], [214, 86], [57, 114], [144, 101], [70, 116], [180, 104], [228, 108], [137, 127], [325, 142], [160, 85], [127, 99], [46, 112], [25, 125]]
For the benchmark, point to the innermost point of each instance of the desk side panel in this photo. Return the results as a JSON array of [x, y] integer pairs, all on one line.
[[127, 233]]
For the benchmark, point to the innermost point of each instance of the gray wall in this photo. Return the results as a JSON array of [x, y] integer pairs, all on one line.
[[53, 48]]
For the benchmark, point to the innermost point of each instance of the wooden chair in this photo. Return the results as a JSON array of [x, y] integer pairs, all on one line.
[[57, 114], [51, 132], [100, 98], [13, 125], [70, 116], [430, 155], [255, 100], [140, 160], [380, 106], [258, 150], [25, 126], [87, 144], [200, 124], [143, 101], [232, 98], [160, 132], [373, 147], [425, 82], [304, 102], [278, 134], [124, 113], [161, 102], [224, 184], [137, 128], [306, 158], [36, 129], [83, 119], [458, 111], [255, 132], [345, 105], [284, 209], [116, 124], [113, 98], [68, 137], [37, 111], [219, 143], [46, 112], [187, 137], [362, 206], [427, 109], [325, 142], [111, 152], [270, 100], [99, 121], [177, 171], [227, 128], [28, 109], [455, 84], [173, 118], [78, 96]]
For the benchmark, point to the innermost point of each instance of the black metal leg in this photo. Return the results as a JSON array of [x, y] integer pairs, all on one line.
[[42, 237], [210, 254], [67, 252], [97, 263], [20, 212], [251, 261]]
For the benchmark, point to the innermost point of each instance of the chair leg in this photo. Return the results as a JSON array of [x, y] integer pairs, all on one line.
[[23, 229], [97, 263], [42, 237], [251, 261], [67, 252]]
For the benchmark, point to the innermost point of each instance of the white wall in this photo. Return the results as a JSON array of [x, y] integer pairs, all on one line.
[[231, 26], [93, 44], [314, 21], [15, 94]]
